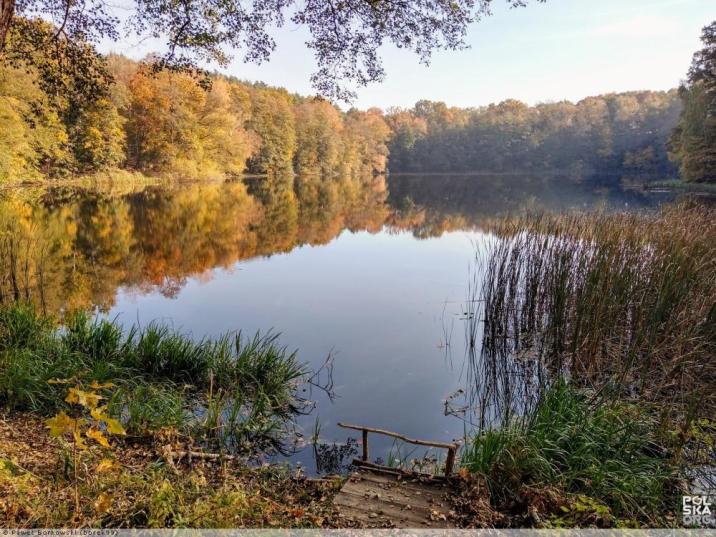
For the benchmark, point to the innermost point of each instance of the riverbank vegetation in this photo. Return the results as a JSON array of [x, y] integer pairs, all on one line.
[[693, 142], [576, 460], [233, 392], [162, 481], [147, 427], [594, 383], [623, 297]]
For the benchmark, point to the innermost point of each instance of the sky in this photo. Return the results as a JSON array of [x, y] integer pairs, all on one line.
[[562, 49]]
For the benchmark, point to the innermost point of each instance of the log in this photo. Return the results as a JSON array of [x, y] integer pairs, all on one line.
[[396, 471]]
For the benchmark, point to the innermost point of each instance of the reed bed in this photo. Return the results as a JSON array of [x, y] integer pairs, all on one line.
[[623, 303], [591, 362]]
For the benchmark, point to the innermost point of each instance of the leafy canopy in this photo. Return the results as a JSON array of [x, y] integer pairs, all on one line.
[[345, 35]]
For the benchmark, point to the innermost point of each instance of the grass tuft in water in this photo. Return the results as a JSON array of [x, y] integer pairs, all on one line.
[[231, 390]]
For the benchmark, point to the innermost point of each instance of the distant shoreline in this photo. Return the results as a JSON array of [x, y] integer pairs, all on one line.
[[682, 186]]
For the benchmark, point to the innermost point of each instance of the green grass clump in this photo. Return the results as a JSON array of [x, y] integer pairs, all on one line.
[[145, 408], [21, 327], [161, 353], [581, 447], [163, 378], [99, 341]]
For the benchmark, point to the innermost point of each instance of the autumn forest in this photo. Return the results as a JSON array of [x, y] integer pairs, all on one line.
[[179, 125], [213, 288]]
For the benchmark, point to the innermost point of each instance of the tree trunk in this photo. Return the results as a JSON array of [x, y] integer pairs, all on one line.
[[7, 10]]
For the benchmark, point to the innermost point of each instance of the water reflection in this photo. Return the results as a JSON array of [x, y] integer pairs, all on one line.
[[371, 271], [70, 248], [74, 247], [432, 205]]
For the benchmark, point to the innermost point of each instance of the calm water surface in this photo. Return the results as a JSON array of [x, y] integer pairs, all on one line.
[[373, 272]]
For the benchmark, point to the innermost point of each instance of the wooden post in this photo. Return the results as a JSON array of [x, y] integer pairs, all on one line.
[[365, 445], [450, 462]]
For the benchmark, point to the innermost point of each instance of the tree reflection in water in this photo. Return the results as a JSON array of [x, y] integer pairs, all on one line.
[[67, 247]]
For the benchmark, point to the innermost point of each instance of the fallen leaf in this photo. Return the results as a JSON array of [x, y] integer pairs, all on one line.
[[107, 465], [97, 386], [103, 503], [97, 435]]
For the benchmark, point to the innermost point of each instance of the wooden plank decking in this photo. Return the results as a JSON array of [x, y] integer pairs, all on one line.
[[373, 498]]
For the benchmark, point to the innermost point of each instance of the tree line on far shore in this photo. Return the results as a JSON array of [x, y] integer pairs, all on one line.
[[175, 124], [659, 133], [623, 133]]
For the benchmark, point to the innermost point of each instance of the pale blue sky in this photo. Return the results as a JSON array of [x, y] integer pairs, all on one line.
[[563, 49]]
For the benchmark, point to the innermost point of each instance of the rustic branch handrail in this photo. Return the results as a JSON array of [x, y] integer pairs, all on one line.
[[451, 447], [444, 445]]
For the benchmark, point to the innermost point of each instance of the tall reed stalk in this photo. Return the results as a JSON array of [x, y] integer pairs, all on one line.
[[622, 303]]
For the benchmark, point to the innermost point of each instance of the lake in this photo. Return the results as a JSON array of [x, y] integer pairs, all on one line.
[[372, 272]]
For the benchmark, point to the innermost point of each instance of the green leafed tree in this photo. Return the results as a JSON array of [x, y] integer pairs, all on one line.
[[622, 133], [693, 142]]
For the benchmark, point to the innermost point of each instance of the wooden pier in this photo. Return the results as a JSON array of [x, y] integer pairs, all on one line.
[[382, 496]]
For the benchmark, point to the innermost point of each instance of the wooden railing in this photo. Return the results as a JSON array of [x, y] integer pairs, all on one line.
[[451, 447]]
